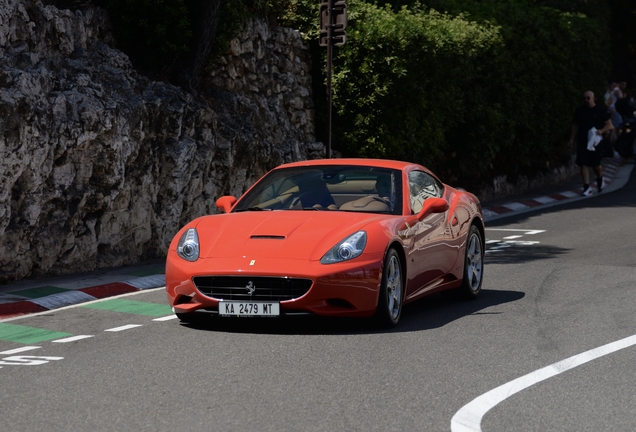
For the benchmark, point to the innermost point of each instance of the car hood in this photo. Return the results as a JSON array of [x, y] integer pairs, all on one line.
[[278, 234]]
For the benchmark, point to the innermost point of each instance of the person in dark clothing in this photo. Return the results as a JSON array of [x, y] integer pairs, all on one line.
[[626, 107], [589, 115]]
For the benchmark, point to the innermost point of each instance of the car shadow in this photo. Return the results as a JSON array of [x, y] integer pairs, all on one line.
[[430, 312], [438, 310], [518, 254]]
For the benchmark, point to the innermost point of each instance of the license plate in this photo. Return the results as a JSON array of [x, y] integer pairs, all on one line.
[[248, 309]]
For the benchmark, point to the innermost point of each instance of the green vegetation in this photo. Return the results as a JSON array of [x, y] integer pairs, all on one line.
[[484, 88], [470, 88]]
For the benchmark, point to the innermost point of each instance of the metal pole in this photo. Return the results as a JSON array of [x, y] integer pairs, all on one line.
[[329, 60]]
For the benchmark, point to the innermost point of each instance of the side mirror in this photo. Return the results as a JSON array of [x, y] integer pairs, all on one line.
[[226, 203], [432, 205]]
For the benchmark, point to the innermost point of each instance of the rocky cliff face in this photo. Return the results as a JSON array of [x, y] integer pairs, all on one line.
[[99, 166]]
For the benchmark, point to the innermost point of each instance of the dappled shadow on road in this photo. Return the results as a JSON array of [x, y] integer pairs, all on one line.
[[518, 254], [428, 313]]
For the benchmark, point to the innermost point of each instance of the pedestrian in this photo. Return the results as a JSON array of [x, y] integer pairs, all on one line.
[[625, 106], [616, 95], [590, 122], [609, 92]]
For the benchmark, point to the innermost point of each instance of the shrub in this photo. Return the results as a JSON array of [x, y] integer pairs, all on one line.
[[487, 88]]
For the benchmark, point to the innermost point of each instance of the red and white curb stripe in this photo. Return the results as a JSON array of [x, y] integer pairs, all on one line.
[[610, 168], [69, 298]]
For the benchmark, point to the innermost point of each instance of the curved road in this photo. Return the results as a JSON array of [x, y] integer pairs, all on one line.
[[559, 283]]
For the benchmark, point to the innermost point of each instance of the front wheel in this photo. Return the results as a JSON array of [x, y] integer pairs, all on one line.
[[391, 291], [473, 264]]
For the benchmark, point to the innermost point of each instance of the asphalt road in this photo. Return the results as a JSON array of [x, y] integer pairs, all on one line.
[[559, 284]]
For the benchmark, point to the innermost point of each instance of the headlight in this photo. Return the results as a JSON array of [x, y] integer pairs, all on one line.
[[188, 247], [349, 248]]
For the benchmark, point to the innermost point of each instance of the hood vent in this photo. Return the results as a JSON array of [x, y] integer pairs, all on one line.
[[267, 237]]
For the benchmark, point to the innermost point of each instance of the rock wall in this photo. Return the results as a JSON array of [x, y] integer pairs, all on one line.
[[100, 166], [271, 69]]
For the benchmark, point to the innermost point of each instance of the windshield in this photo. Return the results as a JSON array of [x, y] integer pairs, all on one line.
[[340, 188]]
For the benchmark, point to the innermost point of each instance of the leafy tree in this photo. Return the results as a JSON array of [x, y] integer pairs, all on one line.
[[470, 88], [485, 88]]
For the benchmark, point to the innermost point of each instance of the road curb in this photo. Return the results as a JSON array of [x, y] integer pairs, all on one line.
[[83, 295], [611, 171]]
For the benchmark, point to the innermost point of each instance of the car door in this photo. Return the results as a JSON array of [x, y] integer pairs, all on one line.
[[431, 252]]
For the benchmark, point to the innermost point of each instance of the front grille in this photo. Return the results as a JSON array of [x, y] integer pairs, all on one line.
[[265, 288]]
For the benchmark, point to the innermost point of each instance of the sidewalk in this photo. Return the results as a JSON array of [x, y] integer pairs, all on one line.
[[33, 296]]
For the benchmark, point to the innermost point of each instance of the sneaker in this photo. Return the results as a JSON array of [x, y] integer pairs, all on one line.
[[587, 191], [600, 183]]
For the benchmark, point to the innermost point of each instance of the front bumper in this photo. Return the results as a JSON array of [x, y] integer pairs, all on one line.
[[348, 289]]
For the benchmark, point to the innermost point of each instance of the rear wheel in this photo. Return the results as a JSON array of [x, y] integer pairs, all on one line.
[[473, 264], [391, 291]]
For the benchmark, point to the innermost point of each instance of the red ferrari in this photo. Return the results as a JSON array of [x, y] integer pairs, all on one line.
[[336, 237]]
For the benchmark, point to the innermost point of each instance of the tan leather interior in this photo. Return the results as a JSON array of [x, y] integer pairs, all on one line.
[[367, 203]]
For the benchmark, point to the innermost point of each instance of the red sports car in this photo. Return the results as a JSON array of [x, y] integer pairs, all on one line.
[[336, 237]]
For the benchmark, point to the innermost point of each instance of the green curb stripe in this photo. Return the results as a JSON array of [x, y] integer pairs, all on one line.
[[148, 272], [132, 307], [28, 335], [39, 291]]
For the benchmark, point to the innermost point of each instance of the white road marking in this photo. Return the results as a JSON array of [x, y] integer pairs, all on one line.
[[19, 350], [522, 242], [468, 418], [27, 360], [73, 338], [525, 231], [166, 318], [534, 232], [508, 241], [501, 245], [122, 328]]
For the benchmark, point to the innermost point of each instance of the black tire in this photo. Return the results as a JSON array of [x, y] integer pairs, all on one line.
[[391, 291], [473, 264]]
